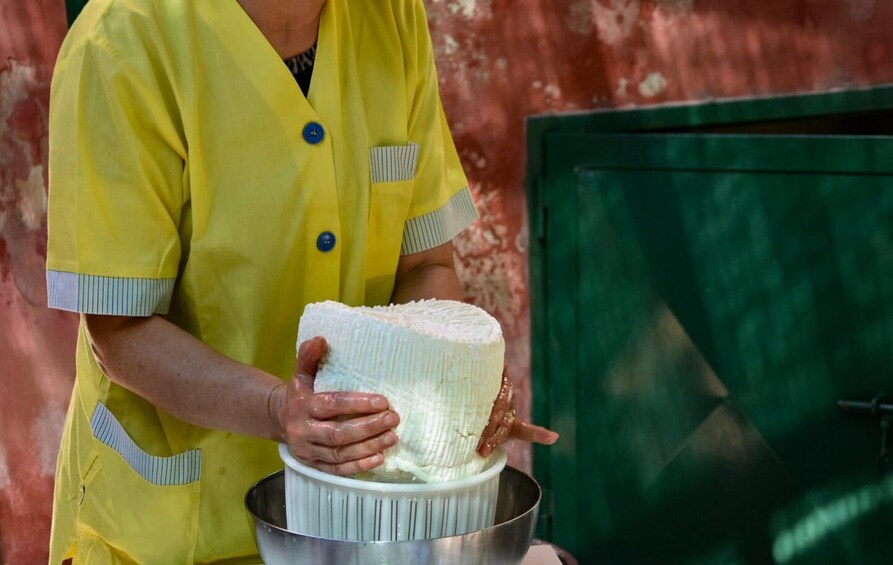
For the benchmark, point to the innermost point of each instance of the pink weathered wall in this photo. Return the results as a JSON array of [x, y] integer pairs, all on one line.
[[500, 60], [36, 345]]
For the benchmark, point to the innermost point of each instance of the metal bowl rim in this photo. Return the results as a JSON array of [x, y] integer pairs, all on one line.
[[508, 468]]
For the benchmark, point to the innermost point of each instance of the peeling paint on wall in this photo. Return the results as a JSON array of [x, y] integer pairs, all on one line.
[[614, 20], [469, 8], [48, 432], [654, 84], [37, 348], [490, 265], [622, 86], [676, 6], [552, 90], [32, 197], [861, 10], [23, 197], [5, 481], [22, 184], [578, 18], [617, 21], [449, 45], [469, 63]]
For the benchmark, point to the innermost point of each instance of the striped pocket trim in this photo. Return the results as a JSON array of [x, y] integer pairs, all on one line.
[[394, 163], [440, 226], [164, 471], [113, 296]]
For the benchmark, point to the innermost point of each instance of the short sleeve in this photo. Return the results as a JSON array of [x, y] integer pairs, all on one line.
[[441, 205], [116, 176]]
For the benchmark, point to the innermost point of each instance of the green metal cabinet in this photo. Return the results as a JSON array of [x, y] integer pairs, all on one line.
[[706, 283]]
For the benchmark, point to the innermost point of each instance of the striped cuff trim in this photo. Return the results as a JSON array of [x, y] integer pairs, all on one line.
[[394, 163], [112, 296], [440, 226], [164, 471]]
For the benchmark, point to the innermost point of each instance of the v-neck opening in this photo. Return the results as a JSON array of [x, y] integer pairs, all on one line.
[[324, 49]]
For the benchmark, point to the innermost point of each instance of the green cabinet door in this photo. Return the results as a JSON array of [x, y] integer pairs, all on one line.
[[702, 302]]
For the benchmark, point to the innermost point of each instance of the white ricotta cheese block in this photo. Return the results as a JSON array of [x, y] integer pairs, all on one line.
[[439, 363]]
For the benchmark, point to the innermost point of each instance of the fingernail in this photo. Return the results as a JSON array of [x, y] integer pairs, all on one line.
[[379, 402], [391, 419], [390, 439], [378, 458]]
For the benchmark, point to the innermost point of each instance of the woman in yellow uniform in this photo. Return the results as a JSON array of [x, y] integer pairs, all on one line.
[[198, 200]]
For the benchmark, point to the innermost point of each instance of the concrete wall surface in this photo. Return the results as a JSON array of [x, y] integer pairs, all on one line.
[[499, 61]]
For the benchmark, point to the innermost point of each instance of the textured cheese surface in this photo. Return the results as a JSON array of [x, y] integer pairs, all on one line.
[[439, 363]]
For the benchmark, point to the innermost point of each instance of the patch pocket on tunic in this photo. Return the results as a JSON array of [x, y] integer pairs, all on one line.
[[145, 506], [392, 170], [394, 163]]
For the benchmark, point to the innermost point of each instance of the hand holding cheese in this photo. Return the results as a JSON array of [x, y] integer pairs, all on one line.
[[440, 364], [337, 432], [504, 425]]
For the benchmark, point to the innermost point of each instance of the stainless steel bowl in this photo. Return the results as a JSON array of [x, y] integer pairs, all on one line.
[[505, 543]]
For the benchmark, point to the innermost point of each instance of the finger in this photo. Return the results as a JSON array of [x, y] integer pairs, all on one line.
[[495, 417], [501, 406], [487, 434], [495, 440], [351, 467], [328, 405], [337, 433], [498, 437], [310, 353], [526, 431], [498, 417], [353, 451]]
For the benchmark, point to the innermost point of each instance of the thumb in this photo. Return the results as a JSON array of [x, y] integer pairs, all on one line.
[[310, 354]]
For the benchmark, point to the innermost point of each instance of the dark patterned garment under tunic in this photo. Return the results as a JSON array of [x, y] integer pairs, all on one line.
[[301, 67]]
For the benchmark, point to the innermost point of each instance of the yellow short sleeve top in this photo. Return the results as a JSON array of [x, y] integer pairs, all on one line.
[[190, 177]]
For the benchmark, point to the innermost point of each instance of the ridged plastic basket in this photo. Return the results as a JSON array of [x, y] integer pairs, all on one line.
[[328, 506]]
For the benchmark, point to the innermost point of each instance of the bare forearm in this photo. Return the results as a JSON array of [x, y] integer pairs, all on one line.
[[429, 281], [184, 377], [428, 274]]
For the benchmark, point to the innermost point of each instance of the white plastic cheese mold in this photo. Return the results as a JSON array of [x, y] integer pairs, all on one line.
[[342, 508]]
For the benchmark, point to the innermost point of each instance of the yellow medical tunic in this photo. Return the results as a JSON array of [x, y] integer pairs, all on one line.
[[190, 178]]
